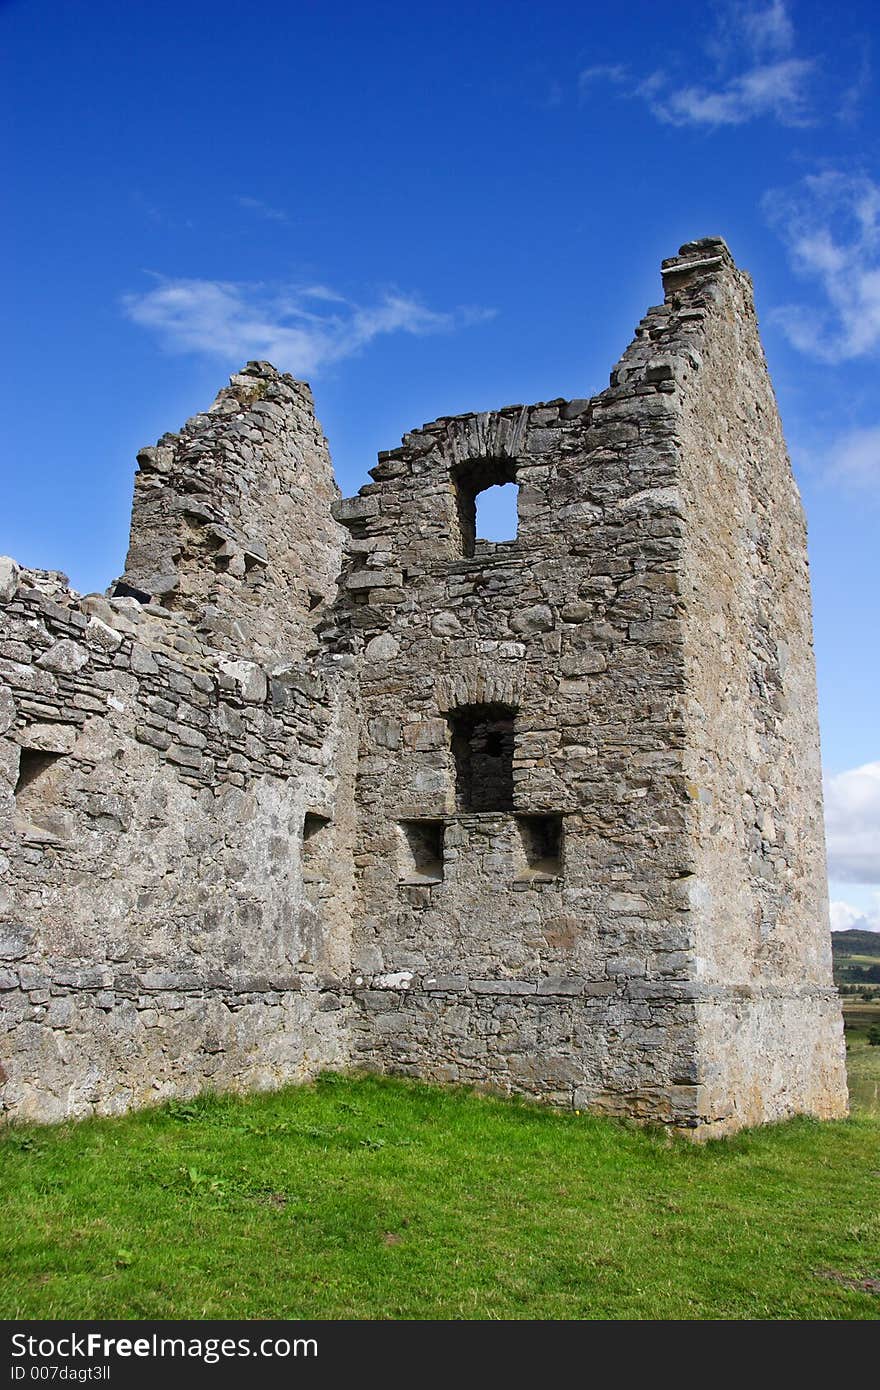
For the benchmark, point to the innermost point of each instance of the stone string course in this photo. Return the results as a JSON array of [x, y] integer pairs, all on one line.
[[231, 849]]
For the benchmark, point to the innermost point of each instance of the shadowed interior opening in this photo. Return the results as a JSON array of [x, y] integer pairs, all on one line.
[[541, 838], [33, 764], [316, 837], [39, 789], [482, 738], [421, 851]]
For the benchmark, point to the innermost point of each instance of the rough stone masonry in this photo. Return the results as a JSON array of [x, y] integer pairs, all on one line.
[[328, 783]]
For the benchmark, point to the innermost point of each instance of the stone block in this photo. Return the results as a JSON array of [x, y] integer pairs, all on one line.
[[66, 657], [10, 574]]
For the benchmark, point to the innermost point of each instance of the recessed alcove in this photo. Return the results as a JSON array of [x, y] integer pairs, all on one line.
[[39, 809], [36, 788], [33, 765], [541, 844], [316, 844], [420, 851]]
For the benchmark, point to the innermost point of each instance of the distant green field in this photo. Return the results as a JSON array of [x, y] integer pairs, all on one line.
[[367, 1198], [856, 958], [863, 1071], [862, 1059], [860, 1014]]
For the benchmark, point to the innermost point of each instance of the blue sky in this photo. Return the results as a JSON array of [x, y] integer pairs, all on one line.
[[433, 208]]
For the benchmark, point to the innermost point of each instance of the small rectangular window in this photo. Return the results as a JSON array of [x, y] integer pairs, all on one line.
[[39, 795], [474, 478], [482, 747]]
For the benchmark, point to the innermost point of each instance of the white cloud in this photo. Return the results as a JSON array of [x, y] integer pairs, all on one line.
[[852, 824], [855, 459], [603, 72], [854, 93], [765, 28], [756, 74], [830, 223], [845, 917], [262, 209], [299, 329], [770, 89]]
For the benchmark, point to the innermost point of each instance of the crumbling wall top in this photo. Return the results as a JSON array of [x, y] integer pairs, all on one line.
[[231, 520]]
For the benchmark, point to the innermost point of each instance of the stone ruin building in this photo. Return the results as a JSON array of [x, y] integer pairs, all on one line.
[[332, 783]]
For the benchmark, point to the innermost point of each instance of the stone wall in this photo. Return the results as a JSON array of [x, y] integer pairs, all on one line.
[[541, 815], [602, 979], [231, 521], [770, 1033], [162, 925]]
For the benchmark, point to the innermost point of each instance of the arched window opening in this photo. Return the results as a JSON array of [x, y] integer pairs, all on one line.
[[482, 748], [493, 481]]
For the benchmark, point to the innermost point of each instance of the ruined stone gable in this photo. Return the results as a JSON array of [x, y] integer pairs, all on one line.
[[542, 815]]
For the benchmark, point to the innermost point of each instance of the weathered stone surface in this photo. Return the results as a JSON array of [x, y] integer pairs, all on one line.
[[572, 971], [242, 493], [7, 709], [15, 938], [543, 815], [374, 579], [9, 578], [102, 634], [49, 738], [538, 618], [65, 656], [382, 648], [249, 679]]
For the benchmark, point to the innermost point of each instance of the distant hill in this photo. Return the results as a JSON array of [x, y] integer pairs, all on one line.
[[855, 943], [856, 957]]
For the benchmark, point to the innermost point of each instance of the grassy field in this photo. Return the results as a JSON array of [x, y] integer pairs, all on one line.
[[859, 1014], [854, 952], [367, 1198], [856, 958], [863, 1071]]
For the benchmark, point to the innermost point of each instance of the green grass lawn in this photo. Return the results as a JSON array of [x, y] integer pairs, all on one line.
[[367, 1198]]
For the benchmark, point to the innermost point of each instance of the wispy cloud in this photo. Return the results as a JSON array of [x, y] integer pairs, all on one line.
[[264, 210], [846, 917], [765, 28], [756, 73], [853, 94], [604, 72], [854, 460], [830, 224], [768, 89], [852, 824], [299, 329]]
